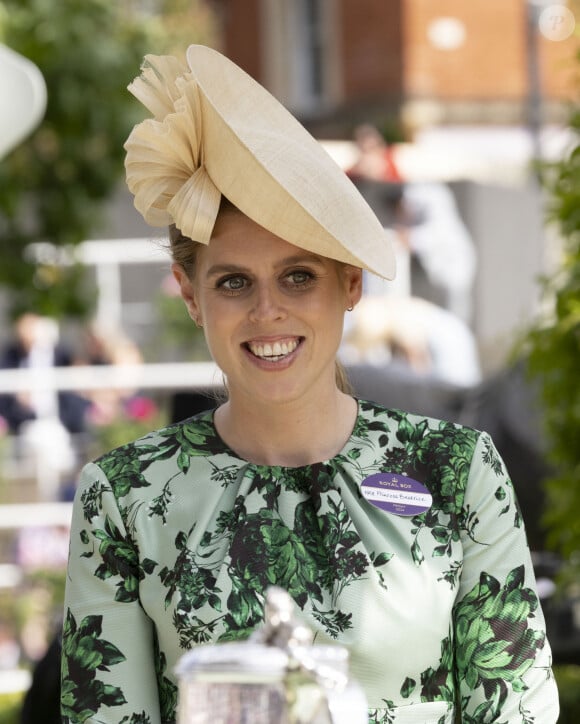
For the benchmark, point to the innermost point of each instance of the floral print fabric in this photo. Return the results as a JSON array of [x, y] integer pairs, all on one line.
[[175, 539]]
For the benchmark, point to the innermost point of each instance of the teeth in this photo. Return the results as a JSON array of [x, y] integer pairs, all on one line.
[[274, 351]]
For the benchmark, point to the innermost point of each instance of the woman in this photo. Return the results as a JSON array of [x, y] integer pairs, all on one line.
[[398, 537]]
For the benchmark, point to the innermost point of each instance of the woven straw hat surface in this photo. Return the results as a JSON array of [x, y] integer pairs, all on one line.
[[216, 131]]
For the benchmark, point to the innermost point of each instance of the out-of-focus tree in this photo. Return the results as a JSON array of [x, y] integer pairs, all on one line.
[[184, 22], [54, 185], [554, 353]]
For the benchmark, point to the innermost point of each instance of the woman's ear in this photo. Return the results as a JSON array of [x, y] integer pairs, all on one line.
[[187, 293], [353, 277]]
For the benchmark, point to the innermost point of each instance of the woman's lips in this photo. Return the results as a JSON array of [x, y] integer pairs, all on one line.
[[273, 351]]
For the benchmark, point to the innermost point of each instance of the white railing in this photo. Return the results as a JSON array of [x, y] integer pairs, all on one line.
[[163, 375], [159, 376], [34, 515]]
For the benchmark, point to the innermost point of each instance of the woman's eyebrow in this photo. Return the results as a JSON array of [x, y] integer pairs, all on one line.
[[227, 269], [302, 259]]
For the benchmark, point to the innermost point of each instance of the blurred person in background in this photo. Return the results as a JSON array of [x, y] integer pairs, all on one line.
[[414, 333], [375, 159], [117, 349], [443, 258], [435, 249], [411, 321], [42, 699], [35, 345], [43, 419], [176, 536]]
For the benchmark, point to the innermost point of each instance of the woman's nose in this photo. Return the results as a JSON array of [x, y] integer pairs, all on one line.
[[267, 304]]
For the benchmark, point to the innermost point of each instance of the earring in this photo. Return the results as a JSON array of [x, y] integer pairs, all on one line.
[[349, 309]]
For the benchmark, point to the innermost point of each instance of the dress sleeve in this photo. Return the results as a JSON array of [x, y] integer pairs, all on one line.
[[108, 662], [503, 658]]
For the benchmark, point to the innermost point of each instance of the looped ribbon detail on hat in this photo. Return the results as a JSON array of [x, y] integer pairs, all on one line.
[[164, 162]]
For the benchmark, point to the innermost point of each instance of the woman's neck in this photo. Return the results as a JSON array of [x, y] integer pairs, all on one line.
[[291, 434]]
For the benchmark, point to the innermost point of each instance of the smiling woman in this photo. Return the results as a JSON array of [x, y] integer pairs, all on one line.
[[256, 296], [299, 272], [398, 537]]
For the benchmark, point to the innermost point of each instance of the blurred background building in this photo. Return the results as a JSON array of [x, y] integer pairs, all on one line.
[[417, 61]]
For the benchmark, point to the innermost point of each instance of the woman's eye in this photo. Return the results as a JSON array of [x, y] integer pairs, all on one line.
[[232, 284], [300, 277]]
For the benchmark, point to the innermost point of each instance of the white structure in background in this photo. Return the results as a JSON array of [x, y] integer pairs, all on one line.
[[22, 98], [107, 256], [44, 440], [442, 244]]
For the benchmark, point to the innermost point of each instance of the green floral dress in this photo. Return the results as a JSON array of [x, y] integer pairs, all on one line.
[[407, 547]]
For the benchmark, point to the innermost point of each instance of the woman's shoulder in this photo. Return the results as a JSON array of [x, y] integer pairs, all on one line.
[[376, 414], [443, 455], [195, 436], [141, 470]]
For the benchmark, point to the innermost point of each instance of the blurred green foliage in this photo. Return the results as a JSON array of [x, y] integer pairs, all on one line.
[[554, 354], [52, 187], [10, 706]]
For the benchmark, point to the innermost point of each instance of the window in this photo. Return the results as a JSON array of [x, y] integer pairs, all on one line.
[[300, 47]]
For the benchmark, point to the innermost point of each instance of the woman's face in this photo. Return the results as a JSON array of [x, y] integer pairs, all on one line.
[[272, 313]]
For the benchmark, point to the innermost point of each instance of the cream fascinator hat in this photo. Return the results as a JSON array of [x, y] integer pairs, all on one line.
[[216, 131]]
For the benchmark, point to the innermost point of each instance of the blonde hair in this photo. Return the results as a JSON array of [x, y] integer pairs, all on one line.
[[183, 250], [342, 381]]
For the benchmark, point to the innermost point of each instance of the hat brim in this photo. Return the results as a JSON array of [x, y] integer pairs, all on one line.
[[268, 165]]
